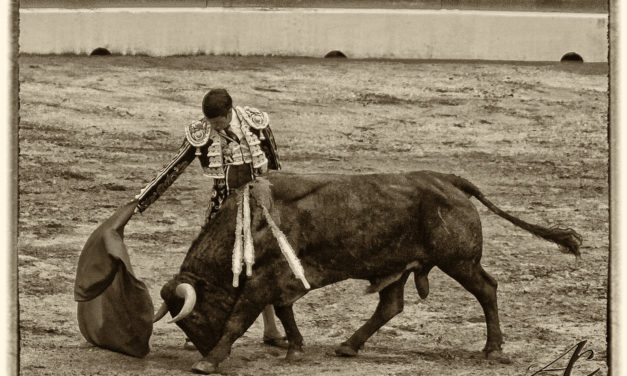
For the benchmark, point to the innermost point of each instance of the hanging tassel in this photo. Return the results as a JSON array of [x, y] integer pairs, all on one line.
[[238, 250], [249, 251], [286, 249]]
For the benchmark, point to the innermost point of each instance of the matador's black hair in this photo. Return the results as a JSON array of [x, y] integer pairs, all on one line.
[[217, 102]]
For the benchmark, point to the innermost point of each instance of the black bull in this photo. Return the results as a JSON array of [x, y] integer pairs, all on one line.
[[379, 227]]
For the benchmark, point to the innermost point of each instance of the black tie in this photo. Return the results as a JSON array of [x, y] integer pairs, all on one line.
[[231, 135]]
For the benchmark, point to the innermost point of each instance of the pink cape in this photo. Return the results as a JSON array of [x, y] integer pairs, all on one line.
[[115, 310]]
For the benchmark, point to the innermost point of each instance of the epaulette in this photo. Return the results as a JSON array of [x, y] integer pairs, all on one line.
[[255, 118], [197, 133]]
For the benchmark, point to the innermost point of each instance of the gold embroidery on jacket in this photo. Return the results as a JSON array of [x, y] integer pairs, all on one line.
[[220, 153]]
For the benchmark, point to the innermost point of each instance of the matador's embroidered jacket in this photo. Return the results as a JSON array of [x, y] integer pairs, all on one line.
[[216, 151]]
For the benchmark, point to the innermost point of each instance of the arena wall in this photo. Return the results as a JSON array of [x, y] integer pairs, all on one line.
[[587, 6], [356, 32]]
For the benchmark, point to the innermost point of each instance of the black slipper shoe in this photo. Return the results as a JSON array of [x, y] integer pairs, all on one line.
[[277, 342]]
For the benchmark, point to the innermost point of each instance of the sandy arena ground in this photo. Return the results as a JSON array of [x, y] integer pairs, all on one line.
[[94, 130]]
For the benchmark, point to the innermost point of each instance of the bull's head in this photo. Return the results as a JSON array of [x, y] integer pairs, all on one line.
[[201, 297], [198, 307]]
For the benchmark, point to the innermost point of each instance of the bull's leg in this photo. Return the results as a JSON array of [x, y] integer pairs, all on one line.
[[252, 300], [244, 314], [478, 282], [295, 339], [390, 305]]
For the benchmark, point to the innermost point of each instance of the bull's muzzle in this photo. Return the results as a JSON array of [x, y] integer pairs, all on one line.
[[185, 291]]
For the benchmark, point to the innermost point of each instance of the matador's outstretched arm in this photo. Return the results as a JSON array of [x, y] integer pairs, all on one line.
[[166, 176], [196, 137]]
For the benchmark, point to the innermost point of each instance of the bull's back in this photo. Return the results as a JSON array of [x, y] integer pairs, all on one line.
[[367, 225]]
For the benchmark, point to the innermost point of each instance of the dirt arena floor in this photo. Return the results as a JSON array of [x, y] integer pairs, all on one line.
[[94, 130]]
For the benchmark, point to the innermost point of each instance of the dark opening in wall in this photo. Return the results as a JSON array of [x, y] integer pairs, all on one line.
[[334, 54], [100, 52], [572, 57]]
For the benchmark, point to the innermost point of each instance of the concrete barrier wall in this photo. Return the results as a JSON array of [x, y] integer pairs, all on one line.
[[586, 6], [358, 33]]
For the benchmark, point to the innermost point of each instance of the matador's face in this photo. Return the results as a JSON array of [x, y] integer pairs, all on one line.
[[220, 123]]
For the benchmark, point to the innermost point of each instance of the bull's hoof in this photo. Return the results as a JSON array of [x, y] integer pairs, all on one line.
[[204, 367], [294, 355], [498, 356], [345, 350]]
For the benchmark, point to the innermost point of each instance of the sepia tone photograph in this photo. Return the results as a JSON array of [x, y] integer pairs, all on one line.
[[323, 187]]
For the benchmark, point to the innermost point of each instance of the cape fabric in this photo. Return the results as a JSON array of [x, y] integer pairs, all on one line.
[[115, 310]]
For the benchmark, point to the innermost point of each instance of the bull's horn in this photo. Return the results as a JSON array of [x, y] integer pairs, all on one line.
[[187, 292], [160, 313]]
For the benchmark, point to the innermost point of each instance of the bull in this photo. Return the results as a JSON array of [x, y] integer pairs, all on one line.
[[378, 227]]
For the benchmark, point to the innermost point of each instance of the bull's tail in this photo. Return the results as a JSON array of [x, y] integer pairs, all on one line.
[[567, 238]]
